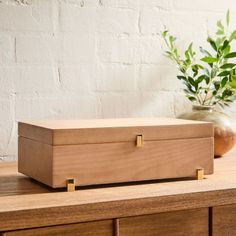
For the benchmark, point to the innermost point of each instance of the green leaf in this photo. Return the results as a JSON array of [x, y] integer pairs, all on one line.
[[168, 54], [226, 50], [209, 59], [213, 44], [214, 92], [217, 85], [213, 72], [229, 100], [191, 81], [230, 55], [192, 99], [190, 50], [191, 85], [205, 52], [200, 79], [180, 77], [207, 73], [176, 52], [224, 82], [221, 105], [219, 41], [199, 66], [228, 65], [225, 44], [189, 91], [164, 33], [232, 84], [187, 55], [228, 17], [171, 40], [227, 93], [232, 36], [182, 69], [224, 73], [220, 32], [220, 25], [207, 79], [194, 68]]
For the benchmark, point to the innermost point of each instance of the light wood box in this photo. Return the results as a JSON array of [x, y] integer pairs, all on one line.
[[114, 150]]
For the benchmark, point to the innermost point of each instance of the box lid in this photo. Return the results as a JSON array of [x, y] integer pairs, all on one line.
[[66, 132]]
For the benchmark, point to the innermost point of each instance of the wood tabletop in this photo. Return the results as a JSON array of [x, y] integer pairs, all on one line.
[[25, 203]]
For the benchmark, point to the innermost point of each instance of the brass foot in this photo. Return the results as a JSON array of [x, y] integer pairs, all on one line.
[[200, 174], [70, 185]]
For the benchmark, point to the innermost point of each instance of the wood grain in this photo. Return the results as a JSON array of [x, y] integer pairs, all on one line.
[[14, 183], [224, 220], [113, 130], [31, 131], [35, 160], [100, 228], [93, 164], [37, 210], [116, 227], [69, 213], [108, 123], [191, 222]]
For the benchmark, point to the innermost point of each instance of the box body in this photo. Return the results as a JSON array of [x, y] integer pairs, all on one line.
[[105, 151]]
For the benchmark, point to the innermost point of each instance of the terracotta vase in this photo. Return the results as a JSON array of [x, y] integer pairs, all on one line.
[[224, 135]]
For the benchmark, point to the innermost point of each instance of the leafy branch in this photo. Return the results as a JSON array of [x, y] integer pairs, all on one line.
[[212, 79]]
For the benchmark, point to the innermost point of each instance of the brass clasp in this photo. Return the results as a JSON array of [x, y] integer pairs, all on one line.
[[139, 140]]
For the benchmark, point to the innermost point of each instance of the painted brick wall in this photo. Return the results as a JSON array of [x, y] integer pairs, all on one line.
[[69, 59]]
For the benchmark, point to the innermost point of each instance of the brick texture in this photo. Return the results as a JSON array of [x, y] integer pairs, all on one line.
[[71, 59]]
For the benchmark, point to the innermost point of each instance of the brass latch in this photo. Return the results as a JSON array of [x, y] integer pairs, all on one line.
[[70, 185], [139, 140]]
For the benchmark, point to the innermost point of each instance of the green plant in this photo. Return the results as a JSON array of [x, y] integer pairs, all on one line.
[[212, 79]]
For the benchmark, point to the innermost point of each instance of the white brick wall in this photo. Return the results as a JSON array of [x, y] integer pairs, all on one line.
[[70, 59]]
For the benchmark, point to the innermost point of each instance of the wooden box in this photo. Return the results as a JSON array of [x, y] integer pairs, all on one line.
[[114, 150]]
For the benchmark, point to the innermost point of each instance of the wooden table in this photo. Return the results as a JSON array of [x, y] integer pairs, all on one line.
[[179, 207]]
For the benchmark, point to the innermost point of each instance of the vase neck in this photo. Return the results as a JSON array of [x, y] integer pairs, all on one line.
[[202, 108]]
